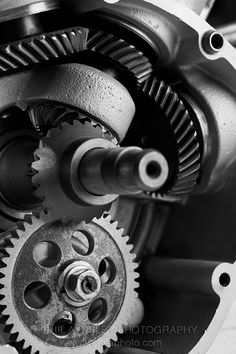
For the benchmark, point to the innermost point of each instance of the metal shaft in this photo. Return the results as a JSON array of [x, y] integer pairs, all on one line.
[[122, 171]]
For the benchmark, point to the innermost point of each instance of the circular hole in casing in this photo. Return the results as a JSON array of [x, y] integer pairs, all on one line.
[[216, 41], [224, 280]]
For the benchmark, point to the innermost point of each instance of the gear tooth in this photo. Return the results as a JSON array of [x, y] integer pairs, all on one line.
[[13, 337], [185, 135], [8, 243], [8, 328], [2, 263], [28, 219], [4, 318], [123, 53], [21, 226], [41, 48]]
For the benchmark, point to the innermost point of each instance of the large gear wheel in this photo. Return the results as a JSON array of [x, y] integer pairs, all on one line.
[[47, 166], [33, 303], [186, 138], [121, 52]]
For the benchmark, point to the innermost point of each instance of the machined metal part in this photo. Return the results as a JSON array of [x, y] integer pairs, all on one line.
[[42, 250], [121, 52], [122, 171], [79, 171], [42, 48], [152, 74], [59, 198], [187, 138]]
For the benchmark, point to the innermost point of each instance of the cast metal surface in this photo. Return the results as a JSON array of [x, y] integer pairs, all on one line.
[[91, 329]]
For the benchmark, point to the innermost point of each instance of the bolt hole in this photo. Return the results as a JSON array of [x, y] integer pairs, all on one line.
[[107, 271], [97, 311], [37, 295], [216, 41], [82, 242], [63, 324], [47, 254], [225, 280], [153, 169]]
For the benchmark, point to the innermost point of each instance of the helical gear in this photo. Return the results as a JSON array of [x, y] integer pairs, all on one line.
[[185, 135], [44, 228], [42, 48], [122, 53]]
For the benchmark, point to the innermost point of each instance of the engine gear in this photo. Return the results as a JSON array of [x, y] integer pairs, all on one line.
[[51, 115], [122, 53], [42, 48], [43, 261], [47, 171], [74, 170], [186, 135]]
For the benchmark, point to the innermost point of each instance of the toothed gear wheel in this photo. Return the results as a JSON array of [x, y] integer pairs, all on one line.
[[186, 138], [46, 170], [123, 53], [34, 327], [46, 116], [42, 48]]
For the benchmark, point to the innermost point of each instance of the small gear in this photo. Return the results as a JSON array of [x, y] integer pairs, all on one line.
[[41, 48], [46, 116], [186, 138], [47, 177], [121, 52], [31, 305]]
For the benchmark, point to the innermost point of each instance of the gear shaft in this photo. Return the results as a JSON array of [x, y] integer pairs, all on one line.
[[122, 171]]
